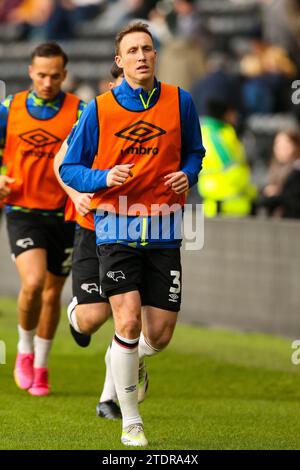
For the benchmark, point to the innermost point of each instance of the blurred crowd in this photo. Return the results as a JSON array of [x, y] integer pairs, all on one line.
[[228, 85], [49, 19]]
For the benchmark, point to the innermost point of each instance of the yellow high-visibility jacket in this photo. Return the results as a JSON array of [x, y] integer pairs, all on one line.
[[225, 180]]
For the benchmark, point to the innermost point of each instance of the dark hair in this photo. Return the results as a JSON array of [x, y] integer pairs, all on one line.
[[138, 27], [49, 49], [217, 109], [116, 71]]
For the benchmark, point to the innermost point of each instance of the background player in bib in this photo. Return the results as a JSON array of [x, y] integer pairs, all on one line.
[[147, 142], [88, 310], [33, 125]]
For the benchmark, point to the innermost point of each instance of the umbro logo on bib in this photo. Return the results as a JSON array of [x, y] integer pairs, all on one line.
[[39, 138], [140, 132]]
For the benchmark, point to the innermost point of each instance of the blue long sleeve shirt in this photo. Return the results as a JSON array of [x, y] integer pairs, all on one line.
[[76, 171]]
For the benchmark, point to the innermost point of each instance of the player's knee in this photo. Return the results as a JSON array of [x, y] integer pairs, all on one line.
[[90, 320], [130, 327], [88, 326], [51, 296], [160, 340], [32, 288], [90, 317]]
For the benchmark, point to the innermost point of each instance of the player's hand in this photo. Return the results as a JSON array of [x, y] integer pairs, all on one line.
[[5, 182], [177, 181], [82, 203], [119, 174]]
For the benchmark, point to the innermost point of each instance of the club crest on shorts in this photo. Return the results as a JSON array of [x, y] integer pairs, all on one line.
[[90, 287], [24, 242], [116, 275]]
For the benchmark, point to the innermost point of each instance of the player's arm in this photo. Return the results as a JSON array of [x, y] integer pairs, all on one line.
[[81, 201], [5, 181], [192, 152], [75, 170]]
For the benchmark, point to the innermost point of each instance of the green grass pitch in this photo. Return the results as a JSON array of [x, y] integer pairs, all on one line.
[[211, 389]]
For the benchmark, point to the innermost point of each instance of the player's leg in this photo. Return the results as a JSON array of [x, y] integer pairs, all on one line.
[[59, 243], [124, 364], [161, 294], [120, 275], [51, 305], [84, 320], [28, 248], [31, 266], [89, 318], [158, 328], [47, 325], [88, 310]]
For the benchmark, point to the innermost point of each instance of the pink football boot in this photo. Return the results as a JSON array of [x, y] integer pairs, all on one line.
[[23, 372], [40, 386]]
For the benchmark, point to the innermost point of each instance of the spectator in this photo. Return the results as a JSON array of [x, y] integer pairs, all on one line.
[[285, 151], [219, 84], [290, 196], [181, 63], [32, 12], [225, 180], [257, 97], [67, 14], [6, 7], [187, 22], [279, 193], [277, 70]]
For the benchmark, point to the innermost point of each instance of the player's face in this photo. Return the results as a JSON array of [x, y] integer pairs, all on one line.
[[137, 58], [47, 75]]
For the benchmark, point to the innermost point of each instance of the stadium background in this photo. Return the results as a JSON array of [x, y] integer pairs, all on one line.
[[246, 277]]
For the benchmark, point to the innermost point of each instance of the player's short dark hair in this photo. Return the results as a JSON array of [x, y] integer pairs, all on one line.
[[138, 27], [217, 109], [116, 71], [49, 49]]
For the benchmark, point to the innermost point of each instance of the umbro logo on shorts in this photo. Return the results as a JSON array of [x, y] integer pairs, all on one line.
[[90, 287], [24, 242], [173, 297], [116, 275], [140, 132]]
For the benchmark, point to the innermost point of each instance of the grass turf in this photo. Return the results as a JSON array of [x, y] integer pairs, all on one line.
[[211, 389]]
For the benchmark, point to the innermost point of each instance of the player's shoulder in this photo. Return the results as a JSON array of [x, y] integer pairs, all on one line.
[[7, 102], [185, 95], [107, 94], [86, 116], [89, 108], [81, 107]]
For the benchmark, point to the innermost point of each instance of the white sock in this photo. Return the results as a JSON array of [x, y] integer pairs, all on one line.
[[72, 314], [25, 344], [109, 389], [145, 348], [124, 365], [41, 351]]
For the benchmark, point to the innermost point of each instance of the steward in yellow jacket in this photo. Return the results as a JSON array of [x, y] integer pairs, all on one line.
[[225, 180]]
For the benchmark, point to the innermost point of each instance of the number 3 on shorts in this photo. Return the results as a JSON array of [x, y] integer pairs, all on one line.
[[176, 282]]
